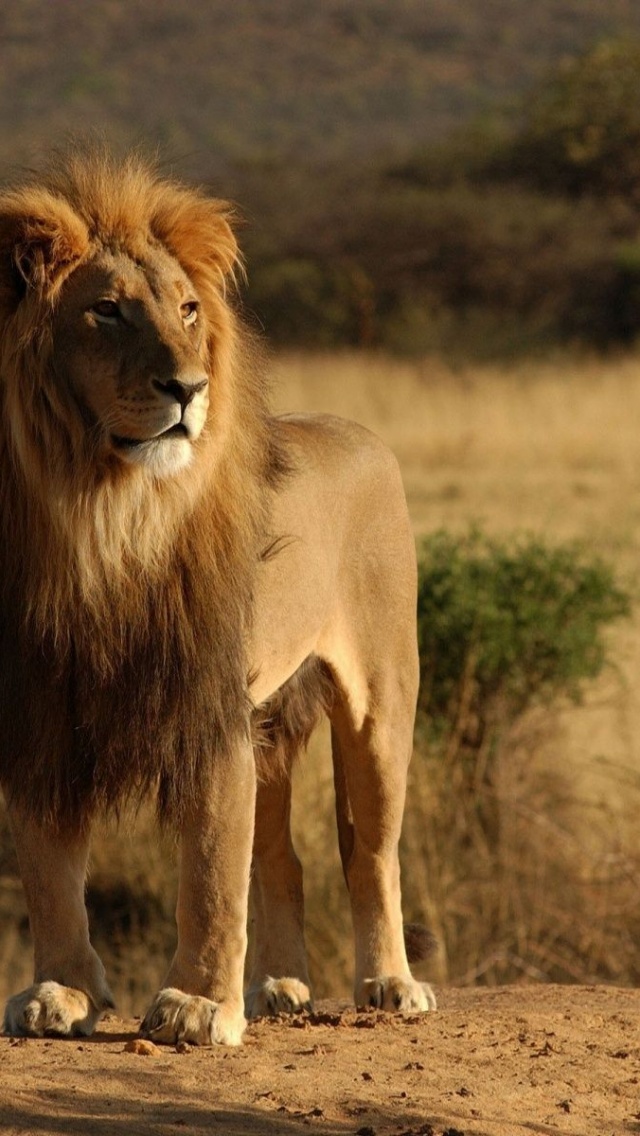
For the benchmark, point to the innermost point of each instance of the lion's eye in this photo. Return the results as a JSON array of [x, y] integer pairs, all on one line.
[[189, 312], [106, 310]]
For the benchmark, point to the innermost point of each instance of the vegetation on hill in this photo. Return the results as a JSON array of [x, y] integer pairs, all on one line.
[[521, 233], [276, 78], [416, 176]]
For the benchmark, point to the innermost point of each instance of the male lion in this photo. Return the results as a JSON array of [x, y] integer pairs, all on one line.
[[182, 576]]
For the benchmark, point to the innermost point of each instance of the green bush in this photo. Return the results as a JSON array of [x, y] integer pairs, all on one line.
[[515, 621]]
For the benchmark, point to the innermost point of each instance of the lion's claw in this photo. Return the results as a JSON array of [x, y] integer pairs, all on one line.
[[174, 1016], [400, 995], [50, 1008], [277, 996]]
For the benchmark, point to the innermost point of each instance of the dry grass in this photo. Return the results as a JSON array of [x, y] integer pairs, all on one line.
[[546, 447], [551, 449]]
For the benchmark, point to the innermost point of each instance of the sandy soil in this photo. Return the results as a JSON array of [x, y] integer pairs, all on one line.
[[500, 1062]]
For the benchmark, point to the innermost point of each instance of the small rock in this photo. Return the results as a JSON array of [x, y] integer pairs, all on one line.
[[141, 1047]]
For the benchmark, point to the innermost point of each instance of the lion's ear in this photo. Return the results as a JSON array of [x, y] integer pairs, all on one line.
[[197, 231], [41, 239]]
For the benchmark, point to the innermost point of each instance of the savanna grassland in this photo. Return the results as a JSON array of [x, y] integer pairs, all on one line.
[[550, 449]]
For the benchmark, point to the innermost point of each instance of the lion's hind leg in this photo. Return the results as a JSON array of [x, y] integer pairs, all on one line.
[[279, 981]]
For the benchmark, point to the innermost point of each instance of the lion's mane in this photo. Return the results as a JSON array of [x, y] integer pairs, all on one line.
[[124, 600]]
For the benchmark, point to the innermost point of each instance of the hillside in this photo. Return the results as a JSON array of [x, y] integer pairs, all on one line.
[[216, 83]]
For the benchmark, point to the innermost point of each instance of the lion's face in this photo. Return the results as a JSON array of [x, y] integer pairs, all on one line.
[[113, 324], [129, 346]]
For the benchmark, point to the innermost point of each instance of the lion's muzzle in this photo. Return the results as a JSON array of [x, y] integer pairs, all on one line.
[[183, 389]]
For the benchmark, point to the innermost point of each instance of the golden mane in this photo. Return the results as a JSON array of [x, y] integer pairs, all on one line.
[[105, 575]]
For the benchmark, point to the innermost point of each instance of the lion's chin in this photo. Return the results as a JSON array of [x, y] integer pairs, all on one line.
[[161, 457]]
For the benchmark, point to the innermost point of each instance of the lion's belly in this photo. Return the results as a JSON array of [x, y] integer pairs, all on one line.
[[293, 605]]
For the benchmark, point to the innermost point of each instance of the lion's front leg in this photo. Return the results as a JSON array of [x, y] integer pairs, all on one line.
[[201, 1000], [69, 992]]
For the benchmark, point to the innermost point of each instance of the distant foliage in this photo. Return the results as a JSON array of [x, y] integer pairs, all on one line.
[[581, 132], [517, 235]]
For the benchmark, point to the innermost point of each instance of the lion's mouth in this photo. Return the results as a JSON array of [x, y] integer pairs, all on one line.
[[177, 431]]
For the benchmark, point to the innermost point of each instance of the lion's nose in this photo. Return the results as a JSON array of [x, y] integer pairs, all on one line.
[[183, 390]]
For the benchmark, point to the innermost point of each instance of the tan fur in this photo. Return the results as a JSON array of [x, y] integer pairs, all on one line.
[[173, 559]]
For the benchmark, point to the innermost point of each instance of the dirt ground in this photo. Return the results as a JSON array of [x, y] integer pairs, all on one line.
[[496, 1062]]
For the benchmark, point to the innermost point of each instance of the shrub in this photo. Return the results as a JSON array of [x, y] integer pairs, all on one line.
[[515, 235], [495, 833], [513, 622]]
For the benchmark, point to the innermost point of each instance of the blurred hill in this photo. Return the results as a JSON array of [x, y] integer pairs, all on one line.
[[418, 175], [216, 82]]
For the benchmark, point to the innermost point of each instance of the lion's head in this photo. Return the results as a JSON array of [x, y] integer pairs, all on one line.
[[113, 317], [125, 386]]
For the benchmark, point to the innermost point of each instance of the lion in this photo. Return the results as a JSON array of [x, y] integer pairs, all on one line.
[[186, 582]]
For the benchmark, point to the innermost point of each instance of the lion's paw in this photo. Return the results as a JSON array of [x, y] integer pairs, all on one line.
[[402, 995], [49, 1008], [277, 996], [174, 1016]]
